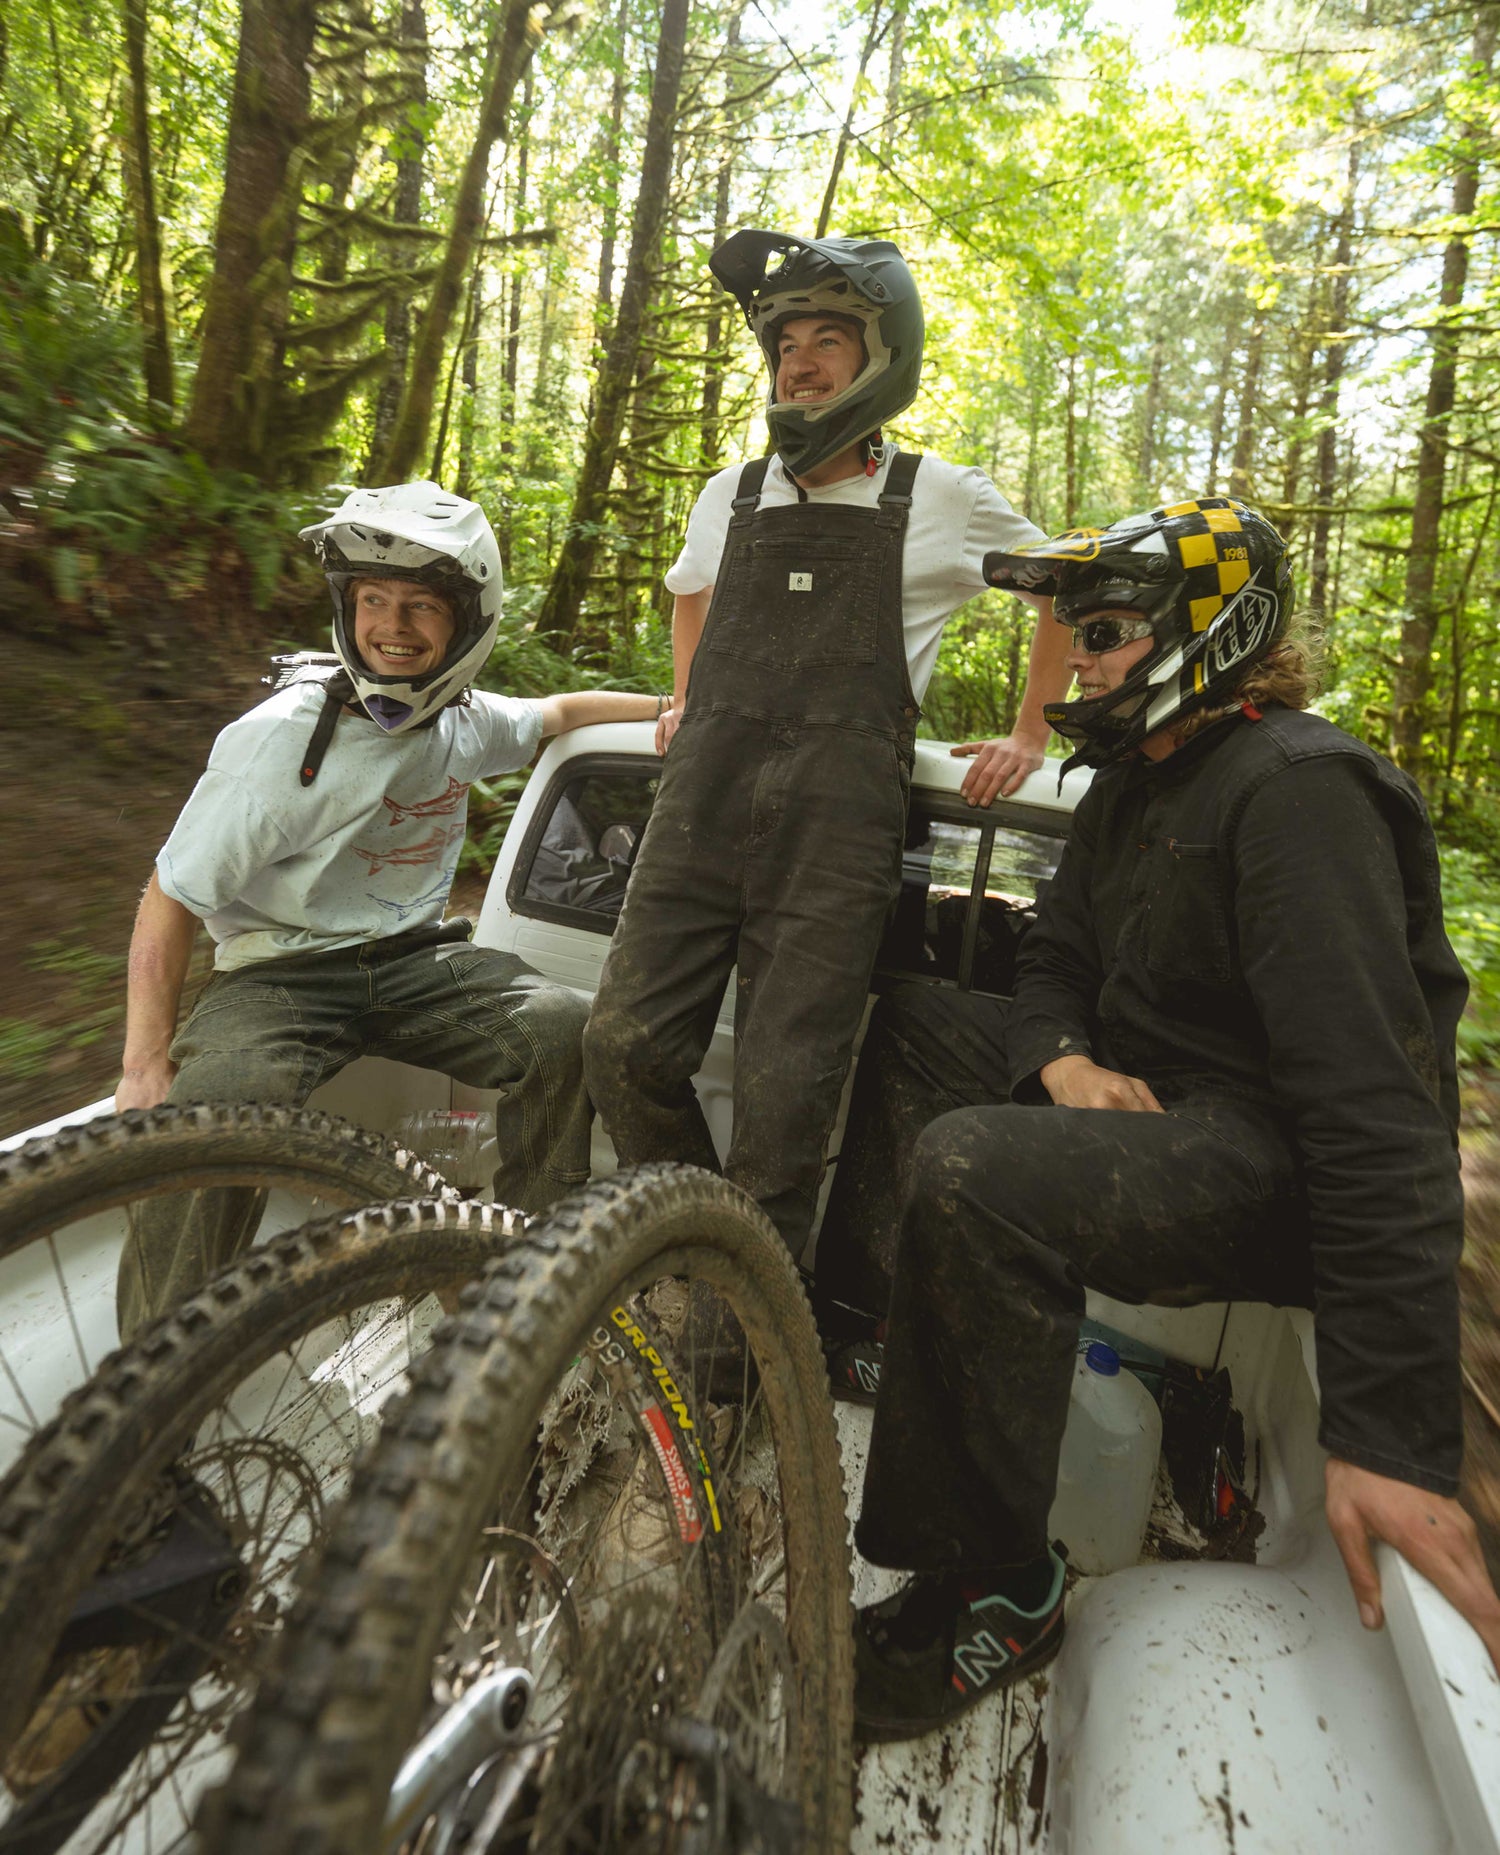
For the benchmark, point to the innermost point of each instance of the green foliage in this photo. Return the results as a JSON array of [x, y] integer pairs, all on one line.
[[1471, 912], [66, 362], [26, 1049], [975, 691], [105, 494], [492, 805]]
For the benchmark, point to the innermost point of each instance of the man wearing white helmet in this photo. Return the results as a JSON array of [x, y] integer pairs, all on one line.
[[812, 592], [318, 848]]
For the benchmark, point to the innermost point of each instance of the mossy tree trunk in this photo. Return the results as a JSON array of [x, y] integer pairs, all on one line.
[[714, 357], [517, 33], [1335, 354], [255, 233], [140, 181], [562, 610], [1413, 679], [410, 149]]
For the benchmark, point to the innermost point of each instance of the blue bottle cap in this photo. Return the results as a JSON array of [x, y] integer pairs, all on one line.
[[1102, 1359]]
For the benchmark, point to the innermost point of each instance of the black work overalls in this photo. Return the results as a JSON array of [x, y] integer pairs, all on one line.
[[774, 847]]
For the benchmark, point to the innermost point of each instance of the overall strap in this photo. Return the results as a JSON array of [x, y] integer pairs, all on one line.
[[899, 479], [895, 498], [752, 481], [336, 692]]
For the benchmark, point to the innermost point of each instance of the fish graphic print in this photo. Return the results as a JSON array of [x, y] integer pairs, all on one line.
[[428, 849]]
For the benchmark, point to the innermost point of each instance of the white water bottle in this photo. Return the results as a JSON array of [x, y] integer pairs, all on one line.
[[1107, 1472], [457, 1142]]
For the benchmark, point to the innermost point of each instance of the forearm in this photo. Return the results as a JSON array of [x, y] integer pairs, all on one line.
[[1047, 676], [581, 708], [161, 947], [689, 615]]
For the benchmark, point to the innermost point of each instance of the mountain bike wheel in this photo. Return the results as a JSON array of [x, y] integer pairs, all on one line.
[[150, 1533], [59, 1243], [698, 1548]]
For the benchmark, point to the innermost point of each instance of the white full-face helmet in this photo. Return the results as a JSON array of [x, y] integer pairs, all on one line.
[[412, 531]]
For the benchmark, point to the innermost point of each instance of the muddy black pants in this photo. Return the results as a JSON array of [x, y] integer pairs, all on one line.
[[927, 1049], [1011, 1212]]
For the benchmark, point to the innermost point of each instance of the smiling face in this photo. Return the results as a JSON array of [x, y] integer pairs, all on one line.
[[400, 628], [817, 357]]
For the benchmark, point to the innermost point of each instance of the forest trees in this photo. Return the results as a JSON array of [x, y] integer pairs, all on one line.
[[1413, 677], [255, 236], [278, 245], [560, 613]]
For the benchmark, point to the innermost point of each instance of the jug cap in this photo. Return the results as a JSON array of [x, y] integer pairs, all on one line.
[[1102, 1359]]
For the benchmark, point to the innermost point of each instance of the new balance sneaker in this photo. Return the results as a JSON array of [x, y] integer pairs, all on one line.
[[854, 1366], [943, 1643]]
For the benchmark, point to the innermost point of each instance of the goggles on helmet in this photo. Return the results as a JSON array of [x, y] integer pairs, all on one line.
[[1100, 636]]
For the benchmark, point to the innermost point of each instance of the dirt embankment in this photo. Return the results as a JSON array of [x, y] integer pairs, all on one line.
[[103, 739]]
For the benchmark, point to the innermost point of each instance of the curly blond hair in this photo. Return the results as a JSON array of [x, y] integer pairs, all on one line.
[[1289, 676]]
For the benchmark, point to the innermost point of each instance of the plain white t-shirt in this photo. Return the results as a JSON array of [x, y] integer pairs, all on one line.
[[957, 517], [368, 849]]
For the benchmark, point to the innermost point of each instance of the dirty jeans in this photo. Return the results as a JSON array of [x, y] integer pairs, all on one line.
[[274, 1031], [1011, 1212]]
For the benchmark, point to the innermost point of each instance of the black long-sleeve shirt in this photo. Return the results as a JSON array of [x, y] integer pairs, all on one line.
[[1259, 915]]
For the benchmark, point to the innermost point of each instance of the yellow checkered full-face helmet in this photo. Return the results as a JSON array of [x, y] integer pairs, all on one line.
[[1210, 576]]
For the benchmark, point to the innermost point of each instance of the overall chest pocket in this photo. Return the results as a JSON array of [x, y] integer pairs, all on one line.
[[1185, 927], [797, 603]]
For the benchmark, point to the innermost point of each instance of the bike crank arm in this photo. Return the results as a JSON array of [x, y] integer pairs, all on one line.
[[484, 1721]]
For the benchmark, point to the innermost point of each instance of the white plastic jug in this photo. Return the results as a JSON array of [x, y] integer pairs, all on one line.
[[1107, 1474]]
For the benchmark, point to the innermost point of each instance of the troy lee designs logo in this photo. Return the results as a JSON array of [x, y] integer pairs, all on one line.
[[1240, 629]]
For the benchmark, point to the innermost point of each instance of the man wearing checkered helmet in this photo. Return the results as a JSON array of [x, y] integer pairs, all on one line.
[[1240, 984]]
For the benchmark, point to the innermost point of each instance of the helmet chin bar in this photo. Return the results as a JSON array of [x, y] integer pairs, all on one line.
[[1112, 725]]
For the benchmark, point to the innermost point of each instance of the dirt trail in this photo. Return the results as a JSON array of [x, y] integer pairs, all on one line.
[[1479, 1284], [96, 759]]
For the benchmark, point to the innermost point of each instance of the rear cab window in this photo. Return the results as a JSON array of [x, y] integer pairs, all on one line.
[[970, 878]]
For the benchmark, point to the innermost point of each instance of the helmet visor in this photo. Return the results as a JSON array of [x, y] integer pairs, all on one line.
[[749, 261]]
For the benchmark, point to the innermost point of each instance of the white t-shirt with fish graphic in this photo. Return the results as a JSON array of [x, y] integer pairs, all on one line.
[[368, 849]]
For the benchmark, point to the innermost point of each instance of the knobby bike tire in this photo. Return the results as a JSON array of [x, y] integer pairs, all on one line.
[[112, 1439], [100, 1164], [347, 1691]]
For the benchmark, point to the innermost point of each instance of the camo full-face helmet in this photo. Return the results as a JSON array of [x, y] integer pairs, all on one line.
[[412, 531], [865, 280], [1211, 577]]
